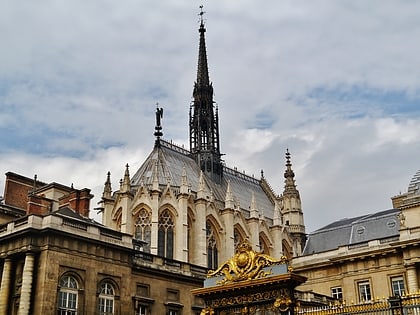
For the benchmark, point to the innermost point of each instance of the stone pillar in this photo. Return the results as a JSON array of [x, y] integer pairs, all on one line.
[[412, 281], [27, 277], [5, 286], [229, 244]]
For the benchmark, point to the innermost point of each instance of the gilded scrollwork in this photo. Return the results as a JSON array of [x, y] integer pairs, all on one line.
[[283, 303], [207, 311], [243, 299], [246, 264]]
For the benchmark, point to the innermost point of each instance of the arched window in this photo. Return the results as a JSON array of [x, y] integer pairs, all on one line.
[[106, 299], [287, 250], [237, 238], [67, 296], [166, 235], [143, 228], [212, 254], [263, 245]]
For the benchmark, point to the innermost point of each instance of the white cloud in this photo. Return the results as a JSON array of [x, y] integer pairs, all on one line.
[[83, 78]]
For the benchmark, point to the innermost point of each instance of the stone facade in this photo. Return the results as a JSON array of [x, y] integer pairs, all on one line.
[[385, 263], [39, 251]]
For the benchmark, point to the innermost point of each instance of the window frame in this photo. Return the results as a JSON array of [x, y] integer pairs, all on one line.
[[337, 293], [166, 234], [399, 280], [364, 291], [145, 307], [106, 300], [68, 290], [211, 247]]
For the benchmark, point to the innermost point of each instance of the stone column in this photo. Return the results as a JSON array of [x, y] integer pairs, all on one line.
[[5, 286], [27, 277], [412, 281]]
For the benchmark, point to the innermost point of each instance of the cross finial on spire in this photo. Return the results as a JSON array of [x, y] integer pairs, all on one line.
[[287, 157], [201, 14]]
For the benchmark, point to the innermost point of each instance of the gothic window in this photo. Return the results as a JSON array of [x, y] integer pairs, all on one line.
[[67, 296], [118, 218], [237, 238], [106, 299], [263, 246], [286, 250], [166, 235], [190, 237], [212, 253], [143, 228]]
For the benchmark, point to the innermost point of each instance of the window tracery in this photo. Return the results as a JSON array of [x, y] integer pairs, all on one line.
[[166, 228], [143, 229], [212, 251]]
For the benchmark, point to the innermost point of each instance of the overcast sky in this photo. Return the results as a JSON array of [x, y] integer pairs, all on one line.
[[335, 82]]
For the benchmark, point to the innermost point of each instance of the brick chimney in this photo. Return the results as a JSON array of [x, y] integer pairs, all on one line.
[[77, 200], [38, 205]]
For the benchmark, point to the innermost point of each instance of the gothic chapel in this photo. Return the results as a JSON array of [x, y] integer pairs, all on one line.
[[189, 206]]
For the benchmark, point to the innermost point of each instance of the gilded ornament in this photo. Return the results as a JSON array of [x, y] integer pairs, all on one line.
[[246, 264]]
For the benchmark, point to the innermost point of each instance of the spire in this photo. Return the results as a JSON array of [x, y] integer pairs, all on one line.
[[202, 69], [155, 180], [253, 208], [125, 186], [184, 184], [107, 188], [229, 201], [289, 175], [292, 209], [201, 187], [204, 120]]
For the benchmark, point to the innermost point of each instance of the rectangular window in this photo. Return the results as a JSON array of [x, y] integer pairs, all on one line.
[[142, 310], [106, 306], [173, 312], [337, 293], [397, 284], [364, 291]]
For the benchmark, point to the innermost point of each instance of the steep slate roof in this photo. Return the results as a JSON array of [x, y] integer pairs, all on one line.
[[171, 161], [354, 231], [414, 186]]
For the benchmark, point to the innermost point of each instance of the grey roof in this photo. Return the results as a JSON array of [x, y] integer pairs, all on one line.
[[172, 159], [414, 186], [354, 231]]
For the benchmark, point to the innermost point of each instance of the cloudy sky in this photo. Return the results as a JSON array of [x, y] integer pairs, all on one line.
[[336, 82]]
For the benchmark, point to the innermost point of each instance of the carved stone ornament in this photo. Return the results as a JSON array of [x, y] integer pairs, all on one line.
[[246, 264]]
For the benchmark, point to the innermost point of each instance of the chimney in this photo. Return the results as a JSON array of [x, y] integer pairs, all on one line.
[[77, 200], [38, 205]]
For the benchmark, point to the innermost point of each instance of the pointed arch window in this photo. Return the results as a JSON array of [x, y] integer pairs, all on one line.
[[106, 299], [166, 235], [237, 239], [68, 296], [263, 245], [143, 229], [212, 252]]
